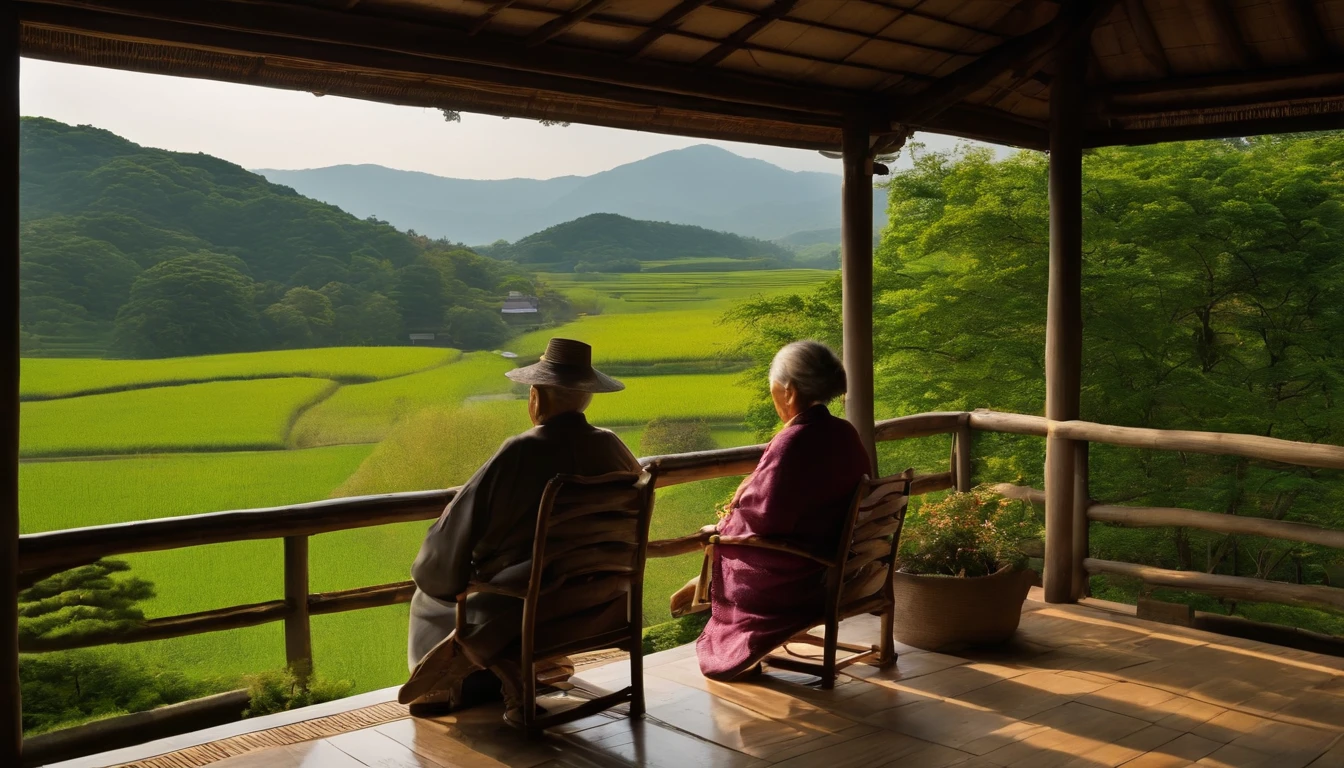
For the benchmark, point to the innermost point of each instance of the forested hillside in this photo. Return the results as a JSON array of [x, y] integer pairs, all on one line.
[[140, 252], [606, 242], [1213, 283]]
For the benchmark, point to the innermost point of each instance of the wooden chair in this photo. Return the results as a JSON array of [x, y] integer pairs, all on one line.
[[592, 534], [858, 578]]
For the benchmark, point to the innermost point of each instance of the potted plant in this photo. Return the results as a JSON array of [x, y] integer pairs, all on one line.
[[962, 576]]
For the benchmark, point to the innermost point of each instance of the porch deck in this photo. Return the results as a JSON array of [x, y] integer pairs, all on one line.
[[1083, 685]]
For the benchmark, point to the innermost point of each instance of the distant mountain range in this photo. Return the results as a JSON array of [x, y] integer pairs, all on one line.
[[701, 185]]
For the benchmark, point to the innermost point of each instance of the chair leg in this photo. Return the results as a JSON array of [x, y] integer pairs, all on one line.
[[636, 671], [529, 713], [828, 654], [887, 646]]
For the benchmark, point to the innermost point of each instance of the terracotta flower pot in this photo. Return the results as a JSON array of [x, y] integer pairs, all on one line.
[[946, 612]]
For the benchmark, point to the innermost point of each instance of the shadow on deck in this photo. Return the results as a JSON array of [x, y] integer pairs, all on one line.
[[1082, 685]]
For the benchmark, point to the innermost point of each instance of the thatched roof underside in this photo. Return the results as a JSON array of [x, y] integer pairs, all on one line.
[[787, 72]]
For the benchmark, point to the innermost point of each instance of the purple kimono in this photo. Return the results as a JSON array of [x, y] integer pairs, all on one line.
[[799, 494]]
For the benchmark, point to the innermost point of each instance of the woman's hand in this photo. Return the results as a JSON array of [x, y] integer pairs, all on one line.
[[709, 530]]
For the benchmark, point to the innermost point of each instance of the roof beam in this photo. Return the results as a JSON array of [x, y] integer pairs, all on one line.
[[268, 26], [560, 24], [1307, 24], [744, 33], [665, 23], [488, 16], [1072, 22], [1149, 43], [1225, 21]]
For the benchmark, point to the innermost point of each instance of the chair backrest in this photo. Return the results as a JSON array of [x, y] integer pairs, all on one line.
[[589, 530], [870, 540]]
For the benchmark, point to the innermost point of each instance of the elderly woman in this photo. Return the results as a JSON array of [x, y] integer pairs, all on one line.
[[798, 494]]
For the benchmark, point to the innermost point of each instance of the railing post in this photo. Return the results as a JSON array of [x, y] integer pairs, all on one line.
[[298, 629], [1082, 500], [1064, 316], [11, 705], [856, 279], [961, 468]]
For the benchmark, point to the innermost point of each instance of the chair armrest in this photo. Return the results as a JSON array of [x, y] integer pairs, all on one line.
[[761, 542], [491, 589], [679, 546]]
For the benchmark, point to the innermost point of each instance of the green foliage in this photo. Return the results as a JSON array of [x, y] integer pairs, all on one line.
[[1213, 295], [607, 242], [69, 688], [196, 304], [709, 286], [967, 534], [475, 328], [280, 691], [82, 601], [674, 633], [303, 318], [664, 436], [44, 378], [219, 415]]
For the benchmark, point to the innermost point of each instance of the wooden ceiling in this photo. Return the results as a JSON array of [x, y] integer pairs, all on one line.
[[786, 72]]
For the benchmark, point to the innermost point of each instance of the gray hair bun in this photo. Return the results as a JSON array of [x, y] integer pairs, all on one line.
[[812, 369]]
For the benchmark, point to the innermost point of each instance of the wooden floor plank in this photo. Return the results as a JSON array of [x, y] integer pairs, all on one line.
[[1087, 686]]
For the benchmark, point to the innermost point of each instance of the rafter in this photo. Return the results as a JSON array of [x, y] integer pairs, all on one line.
[[559, 24], [1149, 43], [1073, 21], [1225, 21], [746, 31], [488, 16], [1307, 24], [665, 24]]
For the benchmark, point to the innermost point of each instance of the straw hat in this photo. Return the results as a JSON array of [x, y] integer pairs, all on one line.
[[567, 364]]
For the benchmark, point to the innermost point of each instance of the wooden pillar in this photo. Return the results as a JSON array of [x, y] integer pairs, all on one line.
[[1064, 318], [856, 276], [961, 455], [298, 629], [1082, 499], [11, 710]]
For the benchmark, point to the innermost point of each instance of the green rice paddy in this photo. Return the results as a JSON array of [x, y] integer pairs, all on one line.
[[106, 441], [215, 416], [42, 378]]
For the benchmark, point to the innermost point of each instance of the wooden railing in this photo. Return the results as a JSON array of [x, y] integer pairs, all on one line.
[[43, 554]]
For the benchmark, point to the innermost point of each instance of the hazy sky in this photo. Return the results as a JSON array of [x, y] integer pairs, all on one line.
[[267, 128]]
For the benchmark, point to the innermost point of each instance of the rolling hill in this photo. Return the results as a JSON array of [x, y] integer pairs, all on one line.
[[606, 242], [703, 185]]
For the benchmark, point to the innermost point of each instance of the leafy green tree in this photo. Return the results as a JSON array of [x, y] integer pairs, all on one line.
[[303, 318], [193, 305], [419, 294], [475, 328], [1213, 299]]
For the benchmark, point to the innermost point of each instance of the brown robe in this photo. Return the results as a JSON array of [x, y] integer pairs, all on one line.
[[486, 534]]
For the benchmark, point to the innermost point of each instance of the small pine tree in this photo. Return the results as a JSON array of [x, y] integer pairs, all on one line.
[[82, 601]]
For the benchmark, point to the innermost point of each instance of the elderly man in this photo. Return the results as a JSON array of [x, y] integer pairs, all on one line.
[[486, 534]]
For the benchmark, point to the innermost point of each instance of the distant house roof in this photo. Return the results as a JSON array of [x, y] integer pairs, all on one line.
[[518, 304], [422, 337]]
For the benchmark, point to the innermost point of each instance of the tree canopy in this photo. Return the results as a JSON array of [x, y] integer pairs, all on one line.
[[1213, 300]]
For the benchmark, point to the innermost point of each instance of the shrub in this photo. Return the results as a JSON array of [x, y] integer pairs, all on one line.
[[967, 534], [674, 633], [280, 691], [664, 436]]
